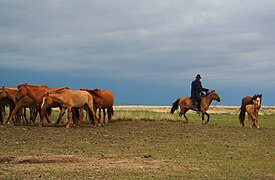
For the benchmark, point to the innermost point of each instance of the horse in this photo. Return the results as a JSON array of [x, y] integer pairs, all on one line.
[[252, 112], [103, 99], [69, 99], [37, 92], [186, 104], [24, 103], [245, 101], [4, 101]]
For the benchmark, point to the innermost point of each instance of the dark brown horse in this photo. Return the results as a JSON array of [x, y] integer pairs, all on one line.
[[103, 99], [185, 104], [3, 103], [24, 103], [245, 101]]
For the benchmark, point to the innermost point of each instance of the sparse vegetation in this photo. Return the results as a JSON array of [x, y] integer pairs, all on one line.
[[141, 144]]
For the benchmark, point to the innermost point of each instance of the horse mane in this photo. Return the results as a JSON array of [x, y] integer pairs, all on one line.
[[208, 93], [58, 90], [94, 92]]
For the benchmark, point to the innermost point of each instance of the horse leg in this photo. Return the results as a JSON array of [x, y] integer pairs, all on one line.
[[208, 116], [183, 112], [104, 115], [61, 113], [25, 116], [110, 113], [47, 118], [11, 116], [99, 114], [69, 117], [91, 108], [81, 115]]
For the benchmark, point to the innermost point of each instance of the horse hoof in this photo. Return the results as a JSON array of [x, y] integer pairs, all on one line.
[[67, 126]]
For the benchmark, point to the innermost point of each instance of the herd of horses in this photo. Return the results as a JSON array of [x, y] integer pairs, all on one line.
[[41, 99]]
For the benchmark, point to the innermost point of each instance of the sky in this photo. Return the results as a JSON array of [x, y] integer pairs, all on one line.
[[145, 52]]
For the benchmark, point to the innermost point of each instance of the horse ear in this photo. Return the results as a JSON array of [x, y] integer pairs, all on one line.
[[3, 87]]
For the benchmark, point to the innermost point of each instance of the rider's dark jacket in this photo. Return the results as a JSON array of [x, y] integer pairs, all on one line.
[[196, 90]]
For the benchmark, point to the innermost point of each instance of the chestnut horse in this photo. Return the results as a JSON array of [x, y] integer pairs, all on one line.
[[245, 101], [69, 99], [253, 111], [185, 104], [25, 102], [103, 99], [37, 92]]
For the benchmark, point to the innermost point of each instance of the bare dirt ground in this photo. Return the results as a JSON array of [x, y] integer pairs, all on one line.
[[140, 150]]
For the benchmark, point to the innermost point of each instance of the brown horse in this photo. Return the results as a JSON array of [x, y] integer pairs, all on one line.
[[245, 101], [3, 103], [69, 99], [185, 104], [37, 92], [252, 112], [103, 99], [24, 103]]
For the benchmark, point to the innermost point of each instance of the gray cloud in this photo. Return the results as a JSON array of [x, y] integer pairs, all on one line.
[[224, 40]]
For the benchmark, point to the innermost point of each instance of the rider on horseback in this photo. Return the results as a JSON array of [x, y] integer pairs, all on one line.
[[197, 92]]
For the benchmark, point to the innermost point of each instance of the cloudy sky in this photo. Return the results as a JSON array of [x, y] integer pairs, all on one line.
[[145, 51]]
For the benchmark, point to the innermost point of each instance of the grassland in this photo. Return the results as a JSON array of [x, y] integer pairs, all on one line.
[[142, 143]]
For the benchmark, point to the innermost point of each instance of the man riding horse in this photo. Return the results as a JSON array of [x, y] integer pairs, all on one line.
[[197, 92]]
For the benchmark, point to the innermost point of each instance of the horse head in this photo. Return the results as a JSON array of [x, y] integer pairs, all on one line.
[[215, 95], [258, 98], [22, 91], [256, 103]]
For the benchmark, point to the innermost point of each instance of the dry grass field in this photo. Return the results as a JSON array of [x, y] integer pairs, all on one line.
[[142, 142]]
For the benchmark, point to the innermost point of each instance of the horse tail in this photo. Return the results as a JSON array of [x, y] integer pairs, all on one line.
[[175, 106], [242, 115], [91, 116], [76, 114], [111, 110]]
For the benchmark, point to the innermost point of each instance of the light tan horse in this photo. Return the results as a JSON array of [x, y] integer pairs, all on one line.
[[103, 99], [69, 99], [185, 104], [253, 112], [25, 102]]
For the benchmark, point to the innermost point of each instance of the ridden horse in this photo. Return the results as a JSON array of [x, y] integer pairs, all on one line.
[[185, 104], [245, 101], [37, 92], [252, 112], [69, 99], [103, 99], [24, 103]]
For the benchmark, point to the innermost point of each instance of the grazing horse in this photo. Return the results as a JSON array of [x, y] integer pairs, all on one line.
[[37, 92], [252, 112], [185, 104], [69, 99], [25, 102], [245, 101], [103, 99]]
